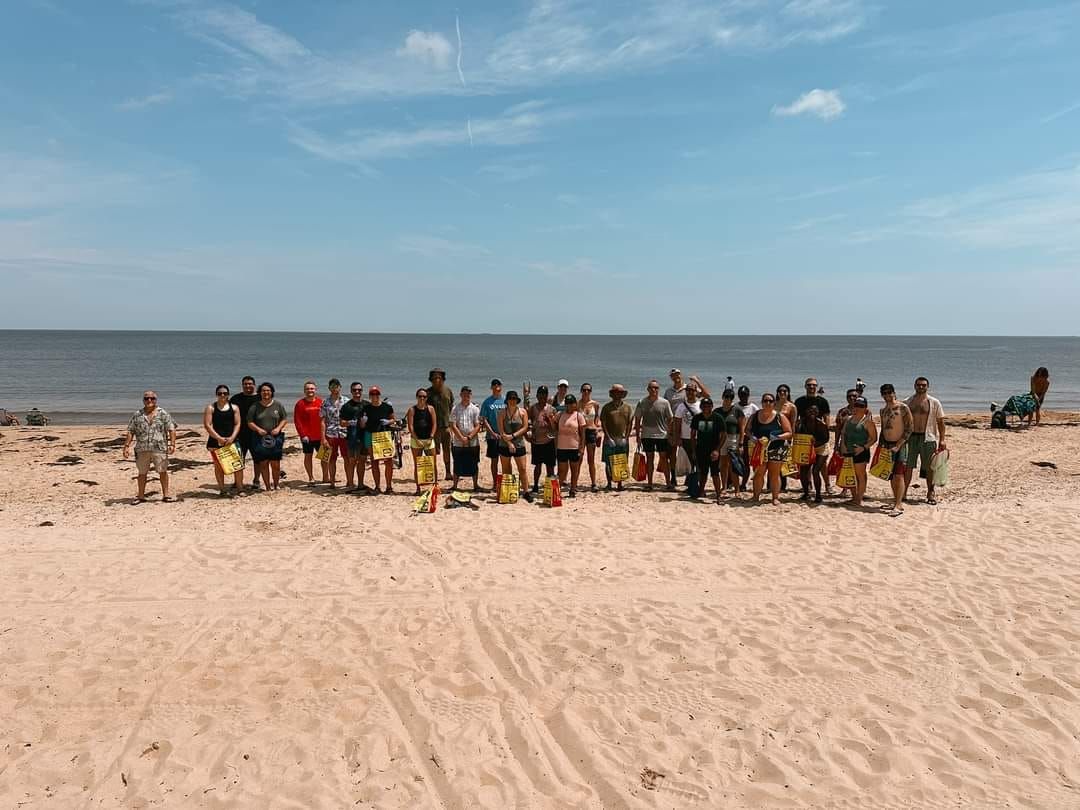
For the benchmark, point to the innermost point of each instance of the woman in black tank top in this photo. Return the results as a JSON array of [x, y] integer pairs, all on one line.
[[421, 419], [222, 422]]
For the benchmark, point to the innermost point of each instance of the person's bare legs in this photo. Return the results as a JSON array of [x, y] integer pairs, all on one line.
[[388, 471], [591, 450], [350, 467], [898, 491], [163, 478], [361, 469], [275, 472], [219, 474], [774, 481], [575, 472], [523, 475], [142, 487], [759, 481], [860, 485], [650, 458], [415, 471], [238, 481], [564, 467], [309, 467]]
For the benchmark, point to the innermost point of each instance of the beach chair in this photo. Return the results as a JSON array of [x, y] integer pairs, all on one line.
[[1021, 406]]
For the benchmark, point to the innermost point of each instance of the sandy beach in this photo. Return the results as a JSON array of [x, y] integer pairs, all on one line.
[[310, 648]]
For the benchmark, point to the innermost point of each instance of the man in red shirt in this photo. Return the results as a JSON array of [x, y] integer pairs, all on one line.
[[308, 420]]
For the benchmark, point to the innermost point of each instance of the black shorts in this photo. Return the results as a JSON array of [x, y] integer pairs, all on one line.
[[543, 453], [466, 460], [243, 440], [511, 452], [310, 447], [861, 458], [705, 461], [590, 436], [655, 445], [492, 450], [571, 456]]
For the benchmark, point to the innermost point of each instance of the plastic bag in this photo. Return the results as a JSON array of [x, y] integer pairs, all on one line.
[[682, 462], [507, 487], [846, 477], [425, 470], [382, 445], [641, 466], [883, 462], [939, 465], [802, 449], [552, 492], [620, 467], [836, 461], [229, 458]]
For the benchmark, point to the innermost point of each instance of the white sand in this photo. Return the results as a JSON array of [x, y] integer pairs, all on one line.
[[310, 650]]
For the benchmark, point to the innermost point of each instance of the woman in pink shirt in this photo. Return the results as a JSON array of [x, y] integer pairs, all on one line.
[[570, 441]]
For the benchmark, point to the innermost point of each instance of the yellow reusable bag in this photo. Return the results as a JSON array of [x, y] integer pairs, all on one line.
[[846, 477], [620, 467], [425, 469], [884, 459], [382, 445], [552, 492], [508, 488], [802, 449], [323, 453], [229, 458]]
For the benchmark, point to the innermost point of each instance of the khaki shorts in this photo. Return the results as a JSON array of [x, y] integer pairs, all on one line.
[[421, 444], [145, 459]]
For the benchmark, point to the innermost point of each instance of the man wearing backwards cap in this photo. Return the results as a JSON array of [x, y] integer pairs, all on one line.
[[616, 418], [559, 403], [489, 415]]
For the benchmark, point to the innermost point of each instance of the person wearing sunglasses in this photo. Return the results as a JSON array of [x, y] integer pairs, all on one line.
[[770, 424], [749, 409], [352, 420], [787, 408], [421, 420], [267, 420], [590, 410], [154, 434], [513, 424], [332, 435], [221, 419], [379, 415], [652, 423], [842, 416], [859, 435], [897, 426]]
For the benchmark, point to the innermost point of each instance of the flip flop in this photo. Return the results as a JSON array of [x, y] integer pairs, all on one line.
[[168, 499], [895, 513], [932, 501]]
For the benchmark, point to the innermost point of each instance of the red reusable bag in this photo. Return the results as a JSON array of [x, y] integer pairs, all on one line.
[[836, 461]]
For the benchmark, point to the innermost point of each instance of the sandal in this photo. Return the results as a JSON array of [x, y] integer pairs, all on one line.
[[931, 500], [167, 499]]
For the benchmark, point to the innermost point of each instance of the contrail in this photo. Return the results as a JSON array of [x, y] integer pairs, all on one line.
[[468, 126], [460, 73]]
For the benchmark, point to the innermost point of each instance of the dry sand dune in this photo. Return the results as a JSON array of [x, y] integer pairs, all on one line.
[[309, 649]]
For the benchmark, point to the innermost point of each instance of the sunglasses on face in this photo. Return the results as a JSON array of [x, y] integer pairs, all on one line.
[[769, 401], [421, 396], [149, 399], [222, 393]]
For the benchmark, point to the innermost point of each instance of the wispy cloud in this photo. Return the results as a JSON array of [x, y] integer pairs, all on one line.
[[1071, 108], [556, 39], [839, 188], [519, 124], [427, 46], [142, 102], [30, 182], [1039, 210], [235, 30], [813, 223], [824, 104], [512, 171]]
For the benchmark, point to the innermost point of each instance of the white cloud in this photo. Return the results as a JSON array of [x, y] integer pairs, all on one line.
[[142, 102], [557, 39], [428, 47], [521, 123], [232, 28], [825, 104], [29, 182]]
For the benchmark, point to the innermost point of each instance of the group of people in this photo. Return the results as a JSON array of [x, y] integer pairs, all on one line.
[[736, 444]]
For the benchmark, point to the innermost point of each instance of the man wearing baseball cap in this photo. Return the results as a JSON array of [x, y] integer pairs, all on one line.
[[616, 419], [559, 403], [489, 416]]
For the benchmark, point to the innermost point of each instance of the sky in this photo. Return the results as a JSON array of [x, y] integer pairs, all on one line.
[[541, 166]]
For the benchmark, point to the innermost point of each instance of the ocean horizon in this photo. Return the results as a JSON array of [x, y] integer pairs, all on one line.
[[97, 376]]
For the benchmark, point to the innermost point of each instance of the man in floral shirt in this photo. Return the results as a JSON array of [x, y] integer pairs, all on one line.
[[154, 433]]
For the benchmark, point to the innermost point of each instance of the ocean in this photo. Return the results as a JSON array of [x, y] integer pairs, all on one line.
[[97, 377]]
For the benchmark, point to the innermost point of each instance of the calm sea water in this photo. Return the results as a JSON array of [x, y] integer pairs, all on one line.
[[98, 377]]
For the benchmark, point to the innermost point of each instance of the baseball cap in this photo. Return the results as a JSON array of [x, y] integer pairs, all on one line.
[[729, 394], [495, 382], [860, 402], [466, 389], [374, 389], [675, 371], [435, 371], [564, 382]]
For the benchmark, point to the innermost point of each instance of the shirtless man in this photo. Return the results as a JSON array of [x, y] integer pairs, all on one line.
[[896, 429], [927, 435]]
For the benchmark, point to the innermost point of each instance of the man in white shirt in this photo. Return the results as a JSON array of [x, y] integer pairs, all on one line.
[[927, 434]]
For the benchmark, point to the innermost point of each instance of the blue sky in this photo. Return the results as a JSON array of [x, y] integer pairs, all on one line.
[[678, 166]]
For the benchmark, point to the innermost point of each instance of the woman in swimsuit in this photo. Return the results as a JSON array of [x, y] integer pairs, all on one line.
[[421, 419], [590, 409], [222, 422], [768, 423], [859, 435], [513, 424], [1040, 384]]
